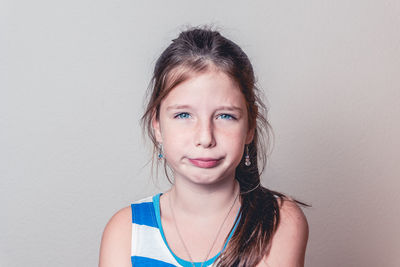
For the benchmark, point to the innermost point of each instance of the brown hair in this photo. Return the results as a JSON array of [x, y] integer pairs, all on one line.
[[194, 51]]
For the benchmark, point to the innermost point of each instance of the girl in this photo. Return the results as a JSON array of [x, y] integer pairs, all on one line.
[[207, 124]]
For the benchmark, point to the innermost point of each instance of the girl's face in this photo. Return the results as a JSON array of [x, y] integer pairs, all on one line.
[[203, 127]]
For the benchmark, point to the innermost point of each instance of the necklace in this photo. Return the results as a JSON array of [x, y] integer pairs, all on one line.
[[216, 237]]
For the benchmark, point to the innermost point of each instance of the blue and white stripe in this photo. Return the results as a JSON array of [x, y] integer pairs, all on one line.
[[149, 246]]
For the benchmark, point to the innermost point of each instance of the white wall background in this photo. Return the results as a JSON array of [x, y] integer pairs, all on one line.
[[73, 76]]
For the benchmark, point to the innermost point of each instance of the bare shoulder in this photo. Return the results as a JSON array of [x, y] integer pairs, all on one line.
[[116, 241], [292, 218], [289, 242]]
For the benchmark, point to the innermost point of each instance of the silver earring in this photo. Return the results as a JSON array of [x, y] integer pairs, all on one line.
[[247, 161], [160, 151]]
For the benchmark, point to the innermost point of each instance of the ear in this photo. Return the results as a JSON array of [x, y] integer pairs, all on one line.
[[250, 135], [156, 128]]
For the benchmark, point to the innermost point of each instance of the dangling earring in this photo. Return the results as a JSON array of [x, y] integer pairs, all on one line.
[[247, 161], [160, 151]]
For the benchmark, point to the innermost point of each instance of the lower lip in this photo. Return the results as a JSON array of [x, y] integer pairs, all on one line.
[[204, 163]]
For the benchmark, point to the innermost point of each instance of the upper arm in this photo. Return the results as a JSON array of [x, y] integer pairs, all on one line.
[[288, 245], [115, 248]]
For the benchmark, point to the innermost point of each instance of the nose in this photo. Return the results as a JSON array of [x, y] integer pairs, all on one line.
[[205, 134]]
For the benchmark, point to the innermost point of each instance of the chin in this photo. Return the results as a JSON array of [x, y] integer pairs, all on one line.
[[207, 179]]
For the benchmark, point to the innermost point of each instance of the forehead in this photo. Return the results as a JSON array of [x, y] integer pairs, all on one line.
[[212, 87]]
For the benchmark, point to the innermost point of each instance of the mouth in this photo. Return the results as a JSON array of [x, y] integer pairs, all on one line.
[[205, 162]]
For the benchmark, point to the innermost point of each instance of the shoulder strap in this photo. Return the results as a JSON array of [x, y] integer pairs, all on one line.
[[143, 214], [147, 245]]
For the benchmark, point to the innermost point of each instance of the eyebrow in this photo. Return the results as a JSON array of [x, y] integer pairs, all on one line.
[[231, 108], [178, 107]]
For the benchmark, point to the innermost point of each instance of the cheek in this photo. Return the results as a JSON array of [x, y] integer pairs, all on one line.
[[176, 134], [175, 140], [232, 143], [235, 133]]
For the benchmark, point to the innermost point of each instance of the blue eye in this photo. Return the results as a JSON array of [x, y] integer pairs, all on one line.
[[226, 117], [183, 115]]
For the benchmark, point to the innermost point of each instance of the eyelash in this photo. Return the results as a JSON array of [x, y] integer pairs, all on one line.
[[227, 116], [230, 117], [179, 115]]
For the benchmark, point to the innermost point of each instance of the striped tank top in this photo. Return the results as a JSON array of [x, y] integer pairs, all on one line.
[[149, 246]]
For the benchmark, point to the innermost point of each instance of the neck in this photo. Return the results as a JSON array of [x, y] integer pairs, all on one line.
[[204, 201]]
